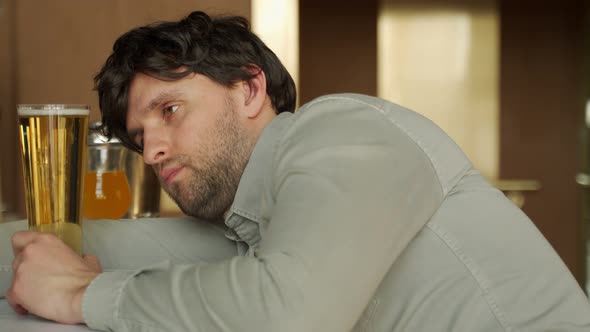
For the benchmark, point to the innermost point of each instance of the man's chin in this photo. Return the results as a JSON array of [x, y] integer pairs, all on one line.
[[184, 206], [174, 194], [196, 211], [195, 206]]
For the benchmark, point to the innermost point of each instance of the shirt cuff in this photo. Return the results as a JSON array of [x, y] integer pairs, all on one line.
[[101, 299]]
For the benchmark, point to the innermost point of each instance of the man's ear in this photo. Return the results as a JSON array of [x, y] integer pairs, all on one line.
[[254, 92]]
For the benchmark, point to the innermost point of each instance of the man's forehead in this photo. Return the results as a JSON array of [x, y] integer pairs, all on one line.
[[144, 87], [145, 92], [140, 88]]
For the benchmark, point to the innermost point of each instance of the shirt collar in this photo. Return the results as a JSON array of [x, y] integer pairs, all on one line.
[[247, 202]]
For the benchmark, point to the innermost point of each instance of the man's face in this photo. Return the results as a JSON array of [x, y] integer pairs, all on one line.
[[191, 134]]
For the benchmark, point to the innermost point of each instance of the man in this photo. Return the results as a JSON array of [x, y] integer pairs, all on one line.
[[349, 214]]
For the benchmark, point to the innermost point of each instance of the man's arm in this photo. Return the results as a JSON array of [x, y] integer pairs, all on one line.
[[132, 244], [121, 245]]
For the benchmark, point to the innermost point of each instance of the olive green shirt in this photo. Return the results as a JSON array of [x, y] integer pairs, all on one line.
[[353, 214]]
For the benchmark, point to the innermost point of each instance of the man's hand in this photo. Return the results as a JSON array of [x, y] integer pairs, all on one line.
[[49, 278]]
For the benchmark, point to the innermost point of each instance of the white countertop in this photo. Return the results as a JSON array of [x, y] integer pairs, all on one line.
[[13, 322]]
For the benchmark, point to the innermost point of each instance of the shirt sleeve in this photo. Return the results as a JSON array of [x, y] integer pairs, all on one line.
[[7, 229], [349, 191]]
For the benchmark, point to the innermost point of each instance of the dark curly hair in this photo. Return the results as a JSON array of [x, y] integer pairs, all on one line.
[[221, 48]]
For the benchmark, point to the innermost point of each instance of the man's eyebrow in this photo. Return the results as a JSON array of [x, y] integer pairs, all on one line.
[[162, 98]]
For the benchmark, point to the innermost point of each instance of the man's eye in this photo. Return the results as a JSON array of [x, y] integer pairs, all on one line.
[[169, 110]]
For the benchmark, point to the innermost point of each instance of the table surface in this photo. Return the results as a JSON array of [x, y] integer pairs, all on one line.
[[13, 322]]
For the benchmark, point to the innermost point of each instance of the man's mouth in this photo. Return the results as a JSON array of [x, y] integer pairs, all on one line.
[[167, 175]]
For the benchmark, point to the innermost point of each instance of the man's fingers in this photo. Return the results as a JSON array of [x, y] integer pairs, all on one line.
[[15, 306], [93, 262], [16, 262], [21, 239], [20, 310]]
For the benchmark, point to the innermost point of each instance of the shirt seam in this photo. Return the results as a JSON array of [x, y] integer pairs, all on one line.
[[275, 152], [368, 322], [238, 206], [475, 274]]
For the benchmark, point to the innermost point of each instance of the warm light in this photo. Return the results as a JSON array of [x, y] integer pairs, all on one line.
[[276, 22], [443, 63]]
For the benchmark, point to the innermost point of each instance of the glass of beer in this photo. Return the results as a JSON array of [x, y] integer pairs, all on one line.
[[53, 144]]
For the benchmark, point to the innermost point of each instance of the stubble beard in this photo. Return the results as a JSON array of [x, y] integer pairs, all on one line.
[[210, 188]]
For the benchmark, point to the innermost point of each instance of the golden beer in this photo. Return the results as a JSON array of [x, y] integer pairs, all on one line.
[[53, 142]]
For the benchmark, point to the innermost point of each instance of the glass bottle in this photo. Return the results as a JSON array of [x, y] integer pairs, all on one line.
[[106, 188]]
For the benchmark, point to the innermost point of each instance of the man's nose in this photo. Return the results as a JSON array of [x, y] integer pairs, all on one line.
[[155, 147]]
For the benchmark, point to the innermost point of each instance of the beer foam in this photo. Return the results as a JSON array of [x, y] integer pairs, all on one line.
[[47, 110]]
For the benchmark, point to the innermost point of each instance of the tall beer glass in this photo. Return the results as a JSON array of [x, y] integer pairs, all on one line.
[[53, 142]]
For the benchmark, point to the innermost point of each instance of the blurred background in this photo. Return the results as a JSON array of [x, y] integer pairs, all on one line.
[[508, 80]]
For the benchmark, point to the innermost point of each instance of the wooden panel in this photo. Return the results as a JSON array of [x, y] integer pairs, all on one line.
[[338, 47], [8, 150], [61, 44], [541, 111]]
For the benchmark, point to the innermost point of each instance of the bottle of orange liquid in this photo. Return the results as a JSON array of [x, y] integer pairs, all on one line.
[[106, 189]]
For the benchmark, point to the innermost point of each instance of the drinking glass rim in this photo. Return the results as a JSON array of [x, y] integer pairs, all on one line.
[[58, 109]]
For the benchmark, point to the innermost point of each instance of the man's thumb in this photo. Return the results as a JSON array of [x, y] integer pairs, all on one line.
[[93, 262]]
